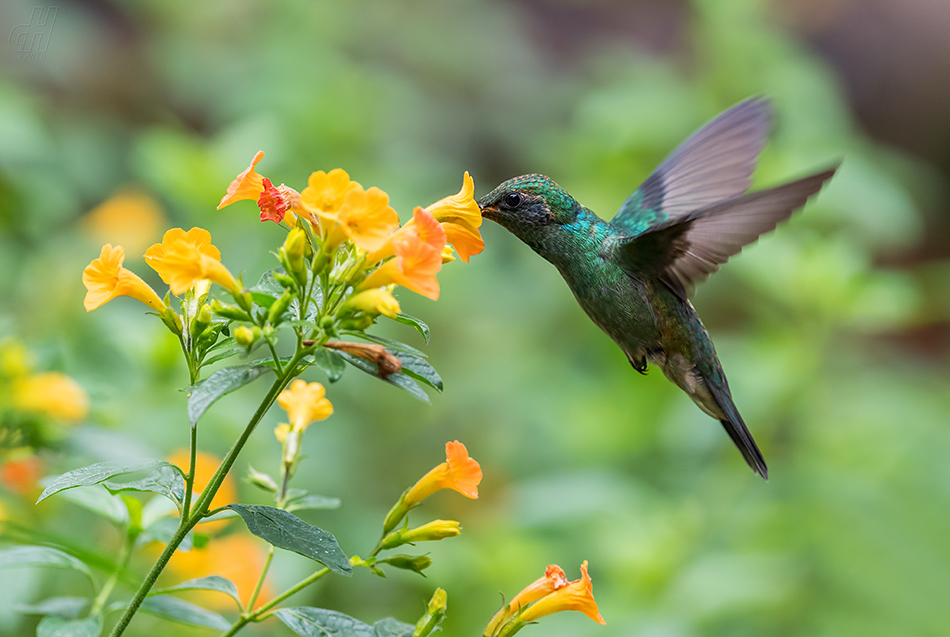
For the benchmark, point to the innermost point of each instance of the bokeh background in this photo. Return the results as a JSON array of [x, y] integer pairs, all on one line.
[[834, 331]]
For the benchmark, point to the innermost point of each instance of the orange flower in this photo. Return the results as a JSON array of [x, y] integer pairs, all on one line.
[[105, 279], [415, 266], [205, 466], [325, 191], [22, 476], [130, 216], [183, 259], [423, 225], [248, 185], [305, 403], [461, 218], [237, 557], [554, 579], [365, 218], [51, 393], [459, 472], [578, 595]]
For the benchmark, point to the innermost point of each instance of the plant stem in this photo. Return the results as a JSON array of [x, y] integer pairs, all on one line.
[[260, 581], [190, 478], [201, 506], [261, 613], [99, 603]]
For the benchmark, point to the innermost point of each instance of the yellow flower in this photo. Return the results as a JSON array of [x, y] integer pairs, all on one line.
[[305, 403], [237, 557], [578, 595], [248, 185], [53, 394], [325, 191], [375, 301], [105, 279], [423, 225], [183, 259], [14, 358], [205, 466], [129, 216], [459, 472], [365, 218], [461, 218], [553, 579], [415, 267]]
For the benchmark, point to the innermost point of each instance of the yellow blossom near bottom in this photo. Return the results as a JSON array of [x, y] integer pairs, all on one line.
[[238, 557]]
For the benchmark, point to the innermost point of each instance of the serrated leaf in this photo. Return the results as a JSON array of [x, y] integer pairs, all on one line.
[[94, 474], [221, 382], [388, 343], [318, 622], [412, 321], [210, 583], [286, 531], [41, 556], [59, 627], [179, 610], [329, 361], [64, 607], [98, 500], [399, 380], [314, 502], [390, 627], [166, 480]]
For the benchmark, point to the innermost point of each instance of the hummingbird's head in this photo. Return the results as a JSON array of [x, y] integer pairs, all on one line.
[[528, 205]]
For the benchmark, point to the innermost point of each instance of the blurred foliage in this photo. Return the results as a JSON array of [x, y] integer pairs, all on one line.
[[826, 337]]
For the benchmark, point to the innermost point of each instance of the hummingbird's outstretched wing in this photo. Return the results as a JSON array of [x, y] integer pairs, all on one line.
[[685, 250], [714, 164]]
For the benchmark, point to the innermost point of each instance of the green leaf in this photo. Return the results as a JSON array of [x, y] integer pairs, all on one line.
[[262, 299], [99, 501], [286, 531], [59, 627], [220, 355], [420, 369], [179, 610], [210, 583], [318, 622], [314, 502], [166, 480], [330, 362], [399, 380], [163, 530], [405, 319], [390, 627], [94, 474], [65, 607], [388, 343], [268, 284], [41, 556], [218, 384]]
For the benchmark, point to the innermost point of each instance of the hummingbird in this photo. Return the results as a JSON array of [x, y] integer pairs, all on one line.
[[635, 274]]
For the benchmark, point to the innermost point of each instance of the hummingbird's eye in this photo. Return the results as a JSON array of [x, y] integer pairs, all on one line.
[[512, 200]]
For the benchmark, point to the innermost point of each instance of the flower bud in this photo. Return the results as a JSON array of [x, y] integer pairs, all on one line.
[[285, 281], [435, 614], [171, 319], [229, 311], [357, 324], [293, 254], [201, 321], [246, 336], [416, 563], [375, 301], [277, 309], [431, 532]]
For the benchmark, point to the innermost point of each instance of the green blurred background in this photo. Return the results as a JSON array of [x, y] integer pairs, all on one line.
[[834, 331]]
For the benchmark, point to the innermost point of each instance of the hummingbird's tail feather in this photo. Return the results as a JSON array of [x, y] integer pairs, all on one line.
[[740, 434]]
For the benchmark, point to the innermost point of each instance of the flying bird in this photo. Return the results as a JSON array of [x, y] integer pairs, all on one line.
[[634, 275]]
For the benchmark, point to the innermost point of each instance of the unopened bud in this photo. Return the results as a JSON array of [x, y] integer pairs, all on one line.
[[357, 324], [277, 309], [261, 480], [285, 280], [431, 532], [229, 311], [201, 321], [246, 336], [376, 354], [293, 254], [374, 301], [415, 563], [171, 319], [435, 614]]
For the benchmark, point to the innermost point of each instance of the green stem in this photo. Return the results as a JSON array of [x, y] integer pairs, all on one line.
[[99, 603], [201, 506], [260, 581], [261, 613], [190, 478], [273, 353]]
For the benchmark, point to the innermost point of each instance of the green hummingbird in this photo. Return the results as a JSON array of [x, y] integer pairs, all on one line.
[[633, 275]]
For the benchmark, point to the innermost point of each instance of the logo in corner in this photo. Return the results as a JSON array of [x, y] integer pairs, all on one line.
[[31, 40]]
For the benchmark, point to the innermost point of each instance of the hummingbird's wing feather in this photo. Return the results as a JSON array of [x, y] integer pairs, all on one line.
[[686, 250], [714, 164]]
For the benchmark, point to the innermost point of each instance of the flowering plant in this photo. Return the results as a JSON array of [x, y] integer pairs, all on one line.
[[340, 263]]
